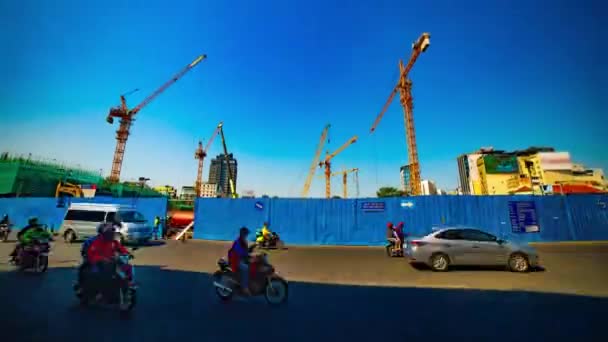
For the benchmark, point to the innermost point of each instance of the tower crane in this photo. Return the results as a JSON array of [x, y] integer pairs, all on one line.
[[404, 86], [327, 164], [229, 170], [344, 174], [315, 161], [127, 116], [200, 154]]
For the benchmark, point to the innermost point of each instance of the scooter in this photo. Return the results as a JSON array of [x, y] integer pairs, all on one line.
[[394, 251], [5, 230], [263, 280], [123, 292]]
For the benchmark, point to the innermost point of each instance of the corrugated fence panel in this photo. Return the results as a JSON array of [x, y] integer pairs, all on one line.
[[351, 222], [348, 222], [221, 218], [20, 209], [296, 220], [589, 215]]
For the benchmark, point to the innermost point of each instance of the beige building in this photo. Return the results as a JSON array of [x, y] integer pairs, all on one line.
[[428, 187], [208, 189]]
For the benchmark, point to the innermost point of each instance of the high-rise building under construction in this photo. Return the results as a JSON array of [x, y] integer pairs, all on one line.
[[218, 173]]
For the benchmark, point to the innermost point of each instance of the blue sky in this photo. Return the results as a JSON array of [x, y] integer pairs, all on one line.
[[507, 74]]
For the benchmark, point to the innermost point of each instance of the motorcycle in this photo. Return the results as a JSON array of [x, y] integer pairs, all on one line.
[[34, 256], [263, 280], [5, 230], [122, 293], [394, 251], [274, 242]]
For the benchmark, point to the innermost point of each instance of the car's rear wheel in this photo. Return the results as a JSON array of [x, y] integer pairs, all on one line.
[[518, 262], [440, 262]]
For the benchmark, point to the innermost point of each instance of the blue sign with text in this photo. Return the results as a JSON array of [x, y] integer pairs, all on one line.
[[523, 217], [372, 206], [259, 205]]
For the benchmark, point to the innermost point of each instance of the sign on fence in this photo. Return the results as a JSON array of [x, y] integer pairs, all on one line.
[[523, 217], [407, 204], [259, 205], [372, 206]]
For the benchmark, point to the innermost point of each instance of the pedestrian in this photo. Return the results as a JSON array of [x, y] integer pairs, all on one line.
[[166, 225], [163, 229], [156, 224]]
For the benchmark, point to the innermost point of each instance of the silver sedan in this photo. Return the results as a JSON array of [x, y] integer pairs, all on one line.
[[466, 246]]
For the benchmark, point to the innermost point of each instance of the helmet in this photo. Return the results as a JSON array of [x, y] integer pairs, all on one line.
[[244, 231], [266, 224], [389, 225], [400, 224], [32, 220]]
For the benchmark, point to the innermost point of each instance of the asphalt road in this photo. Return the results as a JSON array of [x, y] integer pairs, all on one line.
[[355, 294]]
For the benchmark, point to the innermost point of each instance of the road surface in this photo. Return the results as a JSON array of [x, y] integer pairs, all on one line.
[[336, 293]]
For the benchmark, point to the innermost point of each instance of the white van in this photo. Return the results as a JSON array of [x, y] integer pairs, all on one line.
[[81, 221]]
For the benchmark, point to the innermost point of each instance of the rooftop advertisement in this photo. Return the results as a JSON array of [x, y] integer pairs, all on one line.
[[500, 164]]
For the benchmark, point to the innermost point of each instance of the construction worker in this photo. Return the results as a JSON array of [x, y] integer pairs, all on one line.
[[156, 224]]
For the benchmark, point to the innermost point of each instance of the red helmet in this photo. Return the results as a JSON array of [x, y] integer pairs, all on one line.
[[400, 225], [389, 225]]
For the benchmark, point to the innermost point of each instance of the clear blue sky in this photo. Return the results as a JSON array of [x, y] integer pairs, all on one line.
[[507, 74]]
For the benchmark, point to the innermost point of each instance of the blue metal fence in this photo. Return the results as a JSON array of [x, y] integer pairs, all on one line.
[[20, 209], [363, 221]]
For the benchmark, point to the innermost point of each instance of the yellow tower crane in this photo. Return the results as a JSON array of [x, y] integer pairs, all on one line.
[[404, 87], [344, 174], [327, 164], [200, 154], [315, 161]]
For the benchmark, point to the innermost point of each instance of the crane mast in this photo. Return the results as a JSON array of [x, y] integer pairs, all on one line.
[[315, 161], [200, 154], [345, 180], [327, 164], [229, 170], [127, 116], [404, 87]]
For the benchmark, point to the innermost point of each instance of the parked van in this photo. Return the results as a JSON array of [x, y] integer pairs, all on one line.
[[81, 221]]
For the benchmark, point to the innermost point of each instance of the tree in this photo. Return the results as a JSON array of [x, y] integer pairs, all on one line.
[[389, 191], [336, 197]]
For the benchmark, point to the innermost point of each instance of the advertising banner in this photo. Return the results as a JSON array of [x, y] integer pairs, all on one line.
[[496, 164], [555, 161]]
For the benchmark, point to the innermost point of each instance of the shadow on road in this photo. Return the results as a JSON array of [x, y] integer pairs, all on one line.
[[424, 267], [174, 305]]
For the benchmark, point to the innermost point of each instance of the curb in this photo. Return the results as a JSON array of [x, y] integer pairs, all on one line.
[[571, 243]]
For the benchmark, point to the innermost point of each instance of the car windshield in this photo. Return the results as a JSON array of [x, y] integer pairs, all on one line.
[[130, 216]]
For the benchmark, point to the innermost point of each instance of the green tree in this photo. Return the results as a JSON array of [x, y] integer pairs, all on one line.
[[389, 191]]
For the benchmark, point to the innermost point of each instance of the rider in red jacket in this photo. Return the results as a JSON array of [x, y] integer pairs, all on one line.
[[104, 247]]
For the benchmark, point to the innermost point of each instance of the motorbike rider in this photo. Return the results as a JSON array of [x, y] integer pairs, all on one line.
[[391, 234], [101, 255], [265, 234], [84, 251], [239, 258], [400, 236], [5, 220], [31, 224]]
